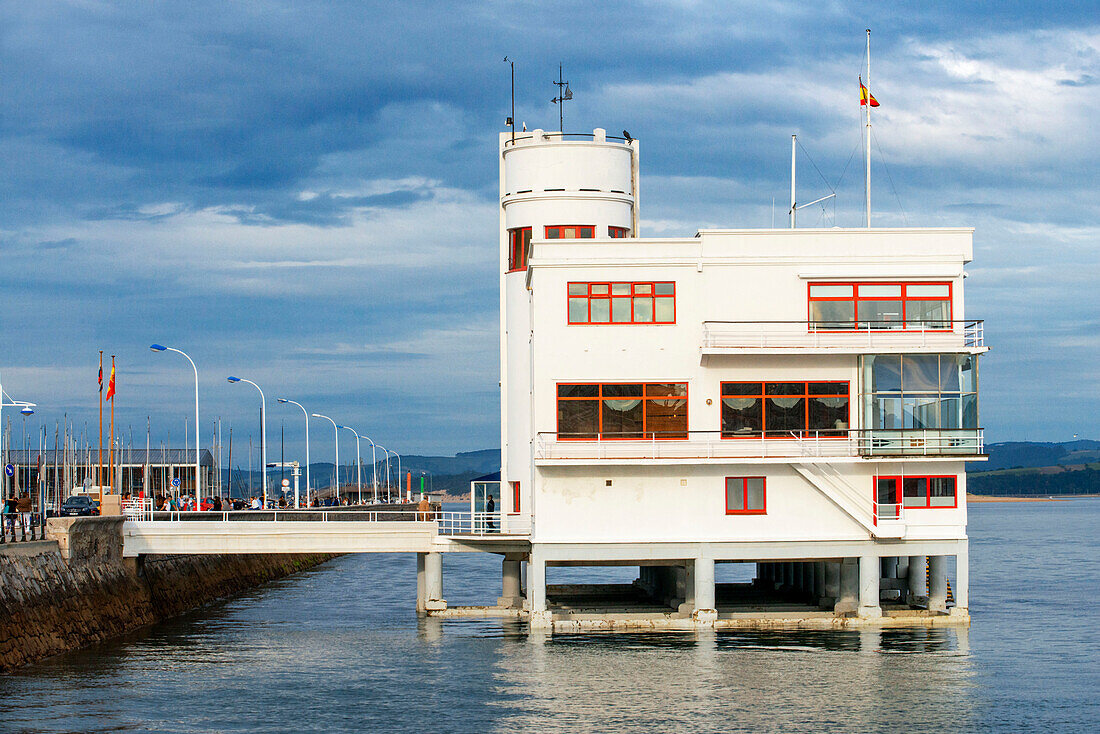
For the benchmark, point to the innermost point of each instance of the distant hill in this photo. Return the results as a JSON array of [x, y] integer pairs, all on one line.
[[1036, 481], [1023, 454], [1026, 468]]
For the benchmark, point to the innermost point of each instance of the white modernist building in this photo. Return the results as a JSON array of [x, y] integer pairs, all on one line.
[[801, 399]]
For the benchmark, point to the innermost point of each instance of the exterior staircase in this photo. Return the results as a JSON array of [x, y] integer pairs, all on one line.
[[856, 504]]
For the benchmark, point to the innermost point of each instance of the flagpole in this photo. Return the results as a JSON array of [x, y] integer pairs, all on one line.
[[112, 441], [867, 183], [99, 471]]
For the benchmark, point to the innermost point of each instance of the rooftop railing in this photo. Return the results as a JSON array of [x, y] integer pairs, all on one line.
[[529, 135], [778, 444], [935, 334]]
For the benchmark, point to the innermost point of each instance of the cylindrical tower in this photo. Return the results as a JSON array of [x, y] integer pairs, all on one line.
[[552, 186]]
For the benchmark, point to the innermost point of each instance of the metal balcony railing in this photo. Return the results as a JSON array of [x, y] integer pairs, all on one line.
[[946, 335], [788, 444]]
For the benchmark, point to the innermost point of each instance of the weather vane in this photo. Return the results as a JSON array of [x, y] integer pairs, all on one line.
[[564, 93]]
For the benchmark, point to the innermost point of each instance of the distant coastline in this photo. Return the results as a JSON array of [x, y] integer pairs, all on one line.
[[972, 498]]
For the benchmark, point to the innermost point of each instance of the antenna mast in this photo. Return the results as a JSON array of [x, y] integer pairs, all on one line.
[[867, 182], [512, 118], [794, 138]]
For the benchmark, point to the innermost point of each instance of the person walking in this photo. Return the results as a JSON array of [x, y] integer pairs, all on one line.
[[7, 515], [490, 508]]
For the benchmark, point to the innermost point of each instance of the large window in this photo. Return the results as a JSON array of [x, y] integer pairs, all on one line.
[[631, 410], [784, 409], [622, 303], [570, 232], [519, 248], [745, 496], [937, 391], [916, 492], [847, 306]]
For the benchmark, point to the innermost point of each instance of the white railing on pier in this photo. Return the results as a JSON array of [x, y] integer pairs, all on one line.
[[484, 524], [138, 508], [864, 335], [788, 444]]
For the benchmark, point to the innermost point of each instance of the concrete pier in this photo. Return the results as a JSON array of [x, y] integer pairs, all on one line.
[[869, 569], [511, 594], [937, 586]]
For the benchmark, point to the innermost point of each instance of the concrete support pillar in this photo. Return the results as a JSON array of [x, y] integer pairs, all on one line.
[[869, 569], [421, 586], [937, 586], [798, 583], [917, 582], [832, 583], [536, 592], [705, 608], [962, 579], [433, 582], [903, 567], [819, 582], [511, 596], [848, 598], [890, 571]]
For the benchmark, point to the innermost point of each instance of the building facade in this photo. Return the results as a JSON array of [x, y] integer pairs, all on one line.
[[800, 399]]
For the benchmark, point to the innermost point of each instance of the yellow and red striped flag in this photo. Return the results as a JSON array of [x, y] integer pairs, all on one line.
[[864, 95]]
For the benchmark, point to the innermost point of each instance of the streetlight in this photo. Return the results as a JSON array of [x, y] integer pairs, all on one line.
[[336, 433], [263, 430], [399, 477], [358, 463], [387, 471], [374, 467], [198, 441], [284, 400]]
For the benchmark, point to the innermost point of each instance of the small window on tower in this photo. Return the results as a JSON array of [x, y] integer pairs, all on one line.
[[571, 232], [618, 232], [519, 248]]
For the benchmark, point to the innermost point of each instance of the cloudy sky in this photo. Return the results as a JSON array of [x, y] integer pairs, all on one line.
[[304, 193]]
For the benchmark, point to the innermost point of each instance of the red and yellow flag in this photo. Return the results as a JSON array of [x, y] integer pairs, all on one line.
[[864, 95], [111, 384]]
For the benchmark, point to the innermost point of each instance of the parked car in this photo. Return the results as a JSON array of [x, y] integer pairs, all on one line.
[[78, 507]]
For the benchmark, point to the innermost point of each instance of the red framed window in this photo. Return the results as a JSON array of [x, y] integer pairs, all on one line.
[[515, 498], [622, 303], [915, 492], [784, 409], [746, 496], [639, 410], [570, 232], [850, 306], [618, 232], [519, 248]]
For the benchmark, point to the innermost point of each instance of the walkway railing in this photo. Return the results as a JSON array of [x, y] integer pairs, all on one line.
[[788, 444], [934, 334], [447, 522]]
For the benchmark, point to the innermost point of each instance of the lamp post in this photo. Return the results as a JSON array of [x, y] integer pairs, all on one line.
[[336, 433], [399, 477], [263, 431], [198, 441], [358, 463], [25, 409], [374, 468], [304, 413], [387, 471]]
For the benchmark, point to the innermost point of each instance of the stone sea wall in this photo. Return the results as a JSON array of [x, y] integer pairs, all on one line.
[[75, 589]]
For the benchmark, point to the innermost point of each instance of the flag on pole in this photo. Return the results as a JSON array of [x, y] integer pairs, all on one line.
[[864, 95], [101, 378], [111, 384]]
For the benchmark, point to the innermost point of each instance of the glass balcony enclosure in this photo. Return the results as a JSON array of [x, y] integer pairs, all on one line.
[[909, 395]]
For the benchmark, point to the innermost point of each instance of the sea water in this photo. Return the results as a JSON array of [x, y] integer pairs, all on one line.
[[340, 649]]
